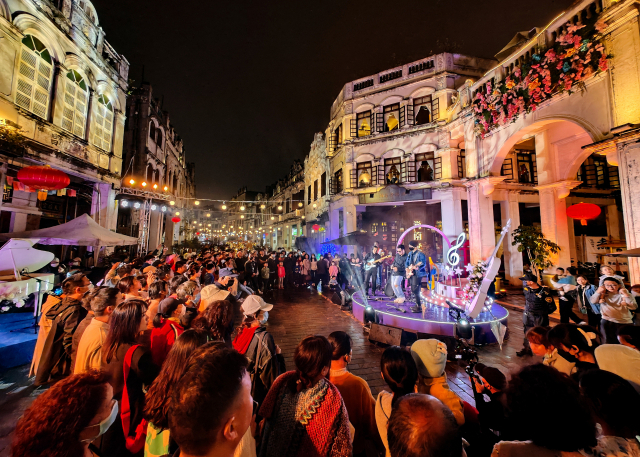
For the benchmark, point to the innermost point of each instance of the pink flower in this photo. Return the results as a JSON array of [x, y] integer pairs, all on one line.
[[600, 25]]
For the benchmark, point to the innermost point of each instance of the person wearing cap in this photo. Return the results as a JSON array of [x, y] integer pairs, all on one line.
[[538, 305], [418, 263], [431, 359], [266, 362], [371, 275], [212, 293], [167, 328], [488, 392]]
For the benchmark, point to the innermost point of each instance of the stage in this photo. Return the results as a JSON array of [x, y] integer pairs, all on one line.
[[436, 319]]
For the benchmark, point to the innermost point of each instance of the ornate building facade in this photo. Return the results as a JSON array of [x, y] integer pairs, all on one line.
[[63, 90]]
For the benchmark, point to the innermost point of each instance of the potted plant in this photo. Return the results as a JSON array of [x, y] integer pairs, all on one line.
[[530, 239]]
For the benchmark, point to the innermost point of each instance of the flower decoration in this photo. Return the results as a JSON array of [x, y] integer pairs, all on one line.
[[577, 54], [11, 296], [476, 274]]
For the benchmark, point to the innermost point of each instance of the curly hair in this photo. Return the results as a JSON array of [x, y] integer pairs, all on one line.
[[51, 427], [217, 319]]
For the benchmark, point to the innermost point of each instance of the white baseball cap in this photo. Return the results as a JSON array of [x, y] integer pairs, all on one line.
[[254, 303]]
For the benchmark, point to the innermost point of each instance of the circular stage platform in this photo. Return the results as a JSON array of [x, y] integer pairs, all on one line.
[[436, 319]]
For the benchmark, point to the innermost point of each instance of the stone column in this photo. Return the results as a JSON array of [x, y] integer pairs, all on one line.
[[629, 169], [513, 265], [553, 218], [104, 209], [482, 234], [451, 211]]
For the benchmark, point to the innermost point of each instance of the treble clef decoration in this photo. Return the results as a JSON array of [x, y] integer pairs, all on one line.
[[452, 254]]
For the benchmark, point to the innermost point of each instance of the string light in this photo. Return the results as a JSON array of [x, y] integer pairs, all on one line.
[[172, 203], [144, 184], [166, 188], [197, 202], [242, 208], [132, 182]]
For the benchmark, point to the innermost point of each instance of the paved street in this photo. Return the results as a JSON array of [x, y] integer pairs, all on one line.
[[297, 313]]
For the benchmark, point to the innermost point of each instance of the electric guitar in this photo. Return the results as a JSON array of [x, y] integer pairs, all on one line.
[[372, 263], [411, 269]]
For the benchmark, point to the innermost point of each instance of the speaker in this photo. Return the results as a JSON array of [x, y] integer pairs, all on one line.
[[450, 341], [385, 334]]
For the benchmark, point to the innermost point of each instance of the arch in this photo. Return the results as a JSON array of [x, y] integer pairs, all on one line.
[[390, 100], [422, 91], [152, 130], [106, 88], [410, 229], [393, 152], [425, 147], [34, 77], [364, 156], [364, 107], [76, 103], [30, 25]]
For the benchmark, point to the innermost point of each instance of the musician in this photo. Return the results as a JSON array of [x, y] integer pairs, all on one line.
[[397, 273], [416, 257], [538, 305], [372, 273]]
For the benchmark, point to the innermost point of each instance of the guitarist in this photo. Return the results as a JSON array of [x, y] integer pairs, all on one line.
[[372, 273], [397, 273], [416, 256]]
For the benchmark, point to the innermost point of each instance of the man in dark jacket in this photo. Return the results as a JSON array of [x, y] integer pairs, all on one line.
[[397, 273], [289, 263], [251, 273], [55, 362], [538, 304], [371, 270], [273, 270]]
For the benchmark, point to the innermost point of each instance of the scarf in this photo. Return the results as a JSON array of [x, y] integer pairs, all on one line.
[[243, 339]]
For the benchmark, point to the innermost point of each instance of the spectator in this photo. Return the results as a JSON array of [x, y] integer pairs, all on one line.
[[313, 270], [540, 345], [629, 335], [608, 272], [421, 425], [117, 272], [326, 432], [130, 287], [174, 283], [488, 392], [217, 321], [180, 269], [431, 359], [546, 415], [189, 294], [43, 330], [584, 292], [82, 326], [207, 277], [576, 344], [616, 304], [65, 316], [399, 371], [89, 355], [265, 274], [281, 274], [211, 407], [167, 328], [122, 355], [156, 408], [157, 293], [355, 392], [65, 419], [265, 360], [615, 405], [621, 359]]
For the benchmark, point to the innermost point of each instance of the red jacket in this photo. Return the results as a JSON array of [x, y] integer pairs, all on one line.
[[281, 271], [162, 340]]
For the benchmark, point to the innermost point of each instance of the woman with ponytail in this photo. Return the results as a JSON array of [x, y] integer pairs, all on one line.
[[323, 428], [400, 372], [166, 328]]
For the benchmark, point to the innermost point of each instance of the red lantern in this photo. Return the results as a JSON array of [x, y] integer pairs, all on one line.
[[583, 211], [43, 177], [197, 233], [175, 219], [315, 227]]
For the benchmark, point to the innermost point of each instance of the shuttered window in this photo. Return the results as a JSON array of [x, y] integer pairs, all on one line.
[[34, 77], [74, 115], [103, 123]]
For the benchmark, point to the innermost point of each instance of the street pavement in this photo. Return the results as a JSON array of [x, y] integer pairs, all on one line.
[[297, 313]]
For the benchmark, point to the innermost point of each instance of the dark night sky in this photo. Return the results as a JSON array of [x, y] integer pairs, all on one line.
[[247, 84]]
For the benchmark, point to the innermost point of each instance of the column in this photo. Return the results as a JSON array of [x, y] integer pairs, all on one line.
[[629, 169], [168, 232], [451, 211], [613, 222], [103, 206], [513, 265], [155, 230], [554, 222], [334, 223], [482, 233]]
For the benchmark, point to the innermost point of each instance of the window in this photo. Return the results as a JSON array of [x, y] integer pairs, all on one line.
[[103, 123], [159, 138], [596, 172], [34, 77], [152, 131], [338, 184], [391, 117], [364, 124], [74, 115], [364, 174], [423, 109], [424, 166], [309, 195], [392, 170], [323, 184], [315, 190], [338, 134], [462, 164]]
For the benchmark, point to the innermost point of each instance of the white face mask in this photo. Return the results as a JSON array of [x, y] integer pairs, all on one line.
[[265, 317], [105, 424]]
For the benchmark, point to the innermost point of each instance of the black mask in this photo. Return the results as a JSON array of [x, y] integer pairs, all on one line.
[[567, 356], [411, 248]]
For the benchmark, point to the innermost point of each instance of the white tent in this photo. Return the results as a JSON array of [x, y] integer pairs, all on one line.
[[82, 231]]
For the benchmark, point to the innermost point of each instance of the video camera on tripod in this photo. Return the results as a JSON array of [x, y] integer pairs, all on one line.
[[464, 335]]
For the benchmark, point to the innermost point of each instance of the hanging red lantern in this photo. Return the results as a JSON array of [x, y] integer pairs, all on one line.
[[43, 177], [197, 233], [583, 211], [315, 227], [175, 219]]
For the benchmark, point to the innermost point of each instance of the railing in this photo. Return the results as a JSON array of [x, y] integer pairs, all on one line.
[[391, 76]]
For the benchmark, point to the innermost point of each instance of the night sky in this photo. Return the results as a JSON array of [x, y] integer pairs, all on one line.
[[247, 84]]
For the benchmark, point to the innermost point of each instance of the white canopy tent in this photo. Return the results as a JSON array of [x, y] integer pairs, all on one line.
[[81, 231]]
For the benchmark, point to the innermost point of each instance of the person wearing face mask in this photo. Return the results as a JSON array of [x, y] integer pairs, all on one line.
[[67, 418], [65, 317], [266, 362], [576, 344], [416, 261], [616, 304], [356, 394], [167, 328]]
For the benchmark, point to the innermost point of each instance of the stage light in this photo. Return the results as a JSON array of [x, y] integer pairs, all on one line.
[[197, 202], [166, 188], [132, 182], [163, 209], [124, 203], [153, 207], [136, 205], [172, 203], [155, 186], [144, 184]]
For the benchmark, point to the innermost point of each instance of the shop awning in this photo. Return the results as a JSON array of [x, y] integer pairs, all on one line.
[[354, 239], [81, 231], [630, 253]]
